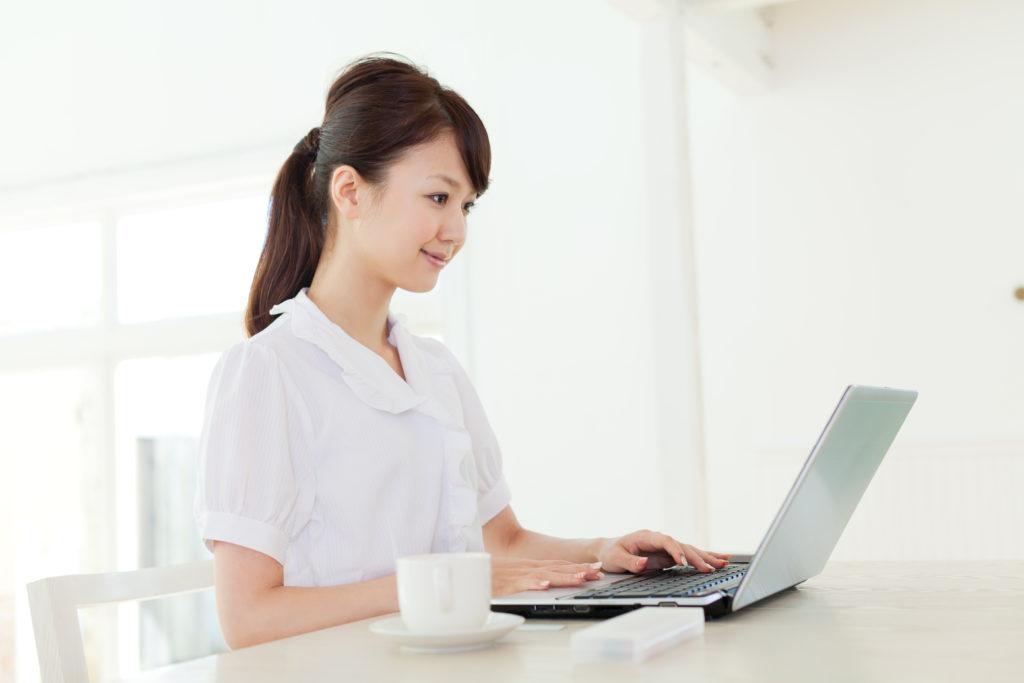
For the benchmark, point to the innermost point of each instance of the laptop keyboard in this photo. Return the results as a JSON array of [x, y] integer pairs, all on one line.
[[675, 582]]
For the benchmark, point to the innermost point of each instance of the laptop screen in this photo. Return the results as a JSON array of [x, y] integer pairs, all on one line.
[[833, 479]]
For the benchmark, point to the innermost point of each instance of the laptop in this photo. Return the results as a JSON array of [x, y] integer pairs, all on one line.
[[795, 548]]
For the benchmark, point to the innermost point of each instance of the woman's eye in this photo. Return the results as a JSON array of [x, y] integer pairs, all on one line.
[[444, 199]]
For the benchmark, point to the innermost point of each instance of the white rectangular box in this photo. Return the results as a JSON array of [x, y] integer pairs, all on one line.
[[639, 634]]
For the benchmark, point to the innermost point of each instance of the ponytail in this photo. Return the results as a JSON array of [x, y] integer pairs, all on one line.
[[295, 236]]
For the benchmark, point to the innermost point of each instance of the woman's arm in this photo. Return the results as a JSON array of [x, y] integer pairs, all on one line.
[[255, 606], [503, 536]]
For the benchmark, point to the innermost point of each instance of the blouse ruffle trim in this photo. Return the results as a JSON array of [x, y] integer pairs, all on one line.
[[463, 531]]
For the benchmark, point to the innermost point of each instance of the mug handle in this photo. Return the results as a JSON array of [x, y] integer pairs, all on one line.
[[443, 587]]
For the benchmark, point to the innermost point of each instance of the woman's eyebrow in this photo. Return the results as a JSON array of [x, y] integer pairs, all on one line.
[[451, 181]]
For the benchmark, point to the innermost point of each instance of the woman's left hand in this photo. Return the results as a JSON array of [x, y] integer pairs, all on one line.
[[647, 549]]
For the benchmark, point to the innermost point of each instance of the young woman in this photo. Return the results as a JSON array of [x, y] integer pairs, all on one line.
[[334, 440]]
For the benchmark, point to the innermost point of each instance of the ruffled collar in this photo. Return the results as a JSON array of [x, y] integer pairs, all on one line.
[[366, 372]]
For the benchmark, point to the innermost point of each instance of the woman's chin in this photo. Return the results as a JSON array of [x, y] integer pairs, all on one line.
[[420, 285]]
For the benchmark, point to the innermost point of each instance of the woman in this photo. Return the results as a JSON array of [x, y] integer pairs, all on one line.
[[334, 440]]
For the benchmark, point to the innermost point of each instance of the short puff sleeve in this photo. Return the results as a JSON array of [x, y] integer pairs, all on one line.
[[254, 484]]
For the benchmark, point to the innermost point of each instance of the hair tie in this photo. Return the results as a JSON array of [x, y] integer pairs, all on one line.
[[309, 144]]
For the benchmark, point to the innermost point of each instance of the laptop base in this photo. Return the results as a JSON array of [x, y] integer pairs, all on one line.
[[712, 610]]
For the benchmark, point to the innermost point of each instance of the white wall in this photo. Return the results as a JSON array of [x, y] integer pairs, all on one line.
[[564, 298], [861, 222]]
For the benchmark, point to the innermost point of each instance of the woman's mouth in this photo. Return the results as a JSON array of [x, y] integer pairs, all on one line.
[[436, 262]]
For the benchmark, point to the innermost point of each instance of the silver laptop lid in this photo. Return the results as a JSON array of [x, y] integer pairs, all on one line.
[[833, 479]]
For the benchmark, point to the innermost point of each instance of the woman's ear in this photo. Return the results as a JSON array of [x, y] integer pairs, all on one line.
[[344, 191]]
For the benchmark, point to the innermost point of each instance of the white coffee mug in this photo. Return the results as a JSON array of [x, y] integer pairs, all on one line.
[[443, 592]]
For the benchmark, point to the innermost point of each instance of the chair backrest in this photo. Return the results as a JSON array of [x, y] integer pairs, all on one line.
[[54, 603]]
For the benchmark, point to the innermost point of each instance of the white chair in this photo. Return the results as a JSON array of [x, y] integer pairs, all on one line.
[[55, 601]]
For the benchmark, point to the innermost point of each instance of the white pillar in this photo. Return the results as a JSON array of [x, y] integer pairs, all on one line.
[[668, 225]]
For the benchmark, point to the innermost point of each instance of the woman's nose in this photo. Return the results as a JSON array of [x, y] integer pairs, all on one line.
[[454, 231]]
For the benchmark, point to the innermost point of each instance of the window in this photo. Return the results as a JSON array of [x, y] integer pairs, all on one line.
[[192, 260], [51, 277], [110, 328]]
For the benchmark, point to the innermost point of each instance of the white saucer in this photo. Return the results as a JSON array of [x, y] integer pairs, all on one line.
[[498, 624]]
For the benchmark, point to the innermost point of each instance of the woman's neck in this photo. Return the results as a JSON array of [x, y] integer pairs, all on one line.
[[354, 300]]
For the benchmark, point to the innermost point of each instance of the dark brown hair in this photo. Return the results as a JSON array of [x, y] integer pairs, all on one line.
[[376, 109]]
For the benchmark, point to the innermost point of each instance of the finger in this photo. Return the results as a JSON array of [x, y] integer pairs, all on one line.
[[668, 551], [645, 541], [663, 543], [716, 562], [629, 561], [588, 570], [673, 548], [529, 583], [660, 561], [563, 579], [724, 556], [653, 542], [695, 560]]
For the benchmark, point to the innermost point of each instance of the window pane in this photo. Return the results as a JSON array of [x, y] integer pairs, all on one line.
[[159, 408], [191, 260], [51, 276], [54, 497]]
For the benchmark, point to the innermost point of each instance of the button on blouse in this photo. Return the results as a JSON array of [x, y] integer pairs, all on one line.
[[314, 451]]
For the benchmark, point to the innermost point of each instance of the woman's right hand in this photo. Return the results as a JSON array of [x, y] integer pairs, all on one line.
[[514, 574]]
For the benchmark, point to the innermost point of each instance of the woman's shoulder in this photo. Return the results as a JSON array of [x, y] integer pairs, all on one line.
[[263, 353], [258, 373], [274, 342]]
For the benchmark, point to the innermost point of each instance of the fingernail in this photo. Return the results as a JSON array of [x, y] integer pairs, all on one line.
[[595, 565], [545, 584], [600, 575]]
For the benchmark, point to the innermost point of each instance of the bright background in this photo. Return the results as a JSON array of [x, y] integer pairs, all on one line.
[[699, 231]]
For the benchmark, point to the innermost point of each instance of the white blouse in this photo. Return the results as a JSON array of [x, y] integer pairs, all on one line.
[[314, 451]]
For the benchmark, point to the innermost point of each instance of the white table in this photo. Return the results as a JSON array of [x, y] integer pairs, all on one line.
[[858, 621]]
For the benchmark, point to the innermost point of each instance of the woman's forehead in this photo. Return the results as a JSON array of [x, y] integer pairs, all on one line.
[[438, 159]]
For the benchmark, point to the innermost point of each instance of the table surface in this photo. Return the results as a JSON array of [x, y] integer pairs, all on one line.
[[857, 621]]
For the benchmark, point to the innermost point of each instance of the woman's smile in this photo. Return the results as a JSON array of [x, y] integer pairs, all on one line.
[[436, 262]]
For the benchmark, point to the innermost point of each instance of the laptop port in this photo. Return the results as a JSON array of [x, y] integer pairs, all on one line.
[[581, 608]]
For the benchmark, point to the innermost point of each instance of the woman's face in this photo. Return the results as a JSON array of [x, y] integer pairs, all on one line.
[[419, 212]]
